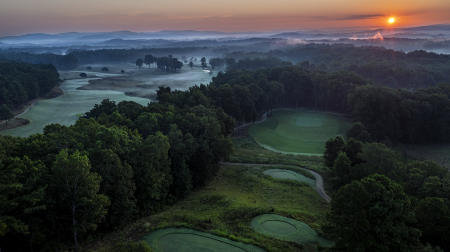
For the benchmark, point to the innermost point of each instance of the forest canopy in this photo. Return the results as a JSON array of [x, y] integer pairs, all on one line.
[[21, 82]]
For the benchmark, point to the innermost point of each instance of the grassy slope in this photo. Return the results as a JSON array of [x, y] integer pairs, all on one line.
[[246, 150], [299, 131], [226, 206]]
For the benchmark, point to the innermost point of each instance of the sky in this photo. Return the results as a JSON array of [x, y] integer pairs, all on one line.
[[54, 16]]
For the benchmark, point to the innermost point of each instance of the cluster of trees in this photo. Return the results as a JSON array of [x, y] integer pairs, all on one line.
[[166, 64], [118, 162], [384, 202], [21, 82]]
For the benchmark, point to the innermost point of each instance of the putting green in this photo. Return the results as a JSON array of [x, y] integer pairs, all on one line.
[[298, 131], [189, 240], [288, 174], [287, 229]]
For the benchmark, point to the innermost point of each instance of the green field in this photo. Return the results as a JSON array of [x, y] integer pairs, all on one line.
[[287, 229], [298, 131], [189, 240]]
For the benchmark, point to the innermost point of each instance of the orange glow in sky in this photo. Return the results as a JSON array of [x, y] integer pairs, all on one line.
[[24, 16], [391, 20]]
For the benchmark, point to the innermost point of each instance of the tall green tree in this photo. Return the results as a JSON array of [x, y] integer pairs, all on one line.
[[151, 166], [74, 194], [117, 184], [21, 201], [373, 214], [332, 149]]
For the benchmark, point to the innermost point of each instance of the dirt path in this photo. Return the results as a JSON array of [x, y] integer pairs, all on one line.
[[318, 178]]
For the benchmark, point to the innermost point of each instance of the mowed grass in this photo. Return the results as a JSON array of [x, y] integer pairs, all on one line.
[[246, 150], [189, 240], [298, 131], [287, 229], [226, 206]]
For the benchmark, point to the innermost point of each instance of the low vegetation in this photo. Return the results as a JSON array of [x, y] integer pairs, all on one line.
[[226, 206]]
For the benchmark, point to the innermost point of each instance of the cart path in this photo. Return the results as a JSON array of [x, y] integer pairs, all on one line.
[[318, 178]]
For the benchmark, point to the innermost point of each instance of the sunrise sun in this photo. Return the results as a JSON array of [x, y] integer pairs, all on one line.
[[391, 20]]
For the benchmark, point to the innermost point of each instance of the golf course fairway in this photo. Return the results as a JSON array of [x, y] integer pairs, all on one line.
[[290, 175], [287, 229], [189, 240], [293, 131]]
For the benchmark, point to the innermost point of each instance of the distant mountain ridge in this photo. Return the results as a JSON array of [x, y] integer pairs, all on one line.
[[89, 37]]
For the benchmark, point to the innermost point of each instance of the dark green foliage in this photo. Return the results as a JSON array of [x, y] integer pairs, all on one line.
[[5, 113], [341, 168], [433, 217], [140, 246], [152, 172], [372, 214], [359, 132], [332, 149], [75, 201], [22, 82], [168, 64], [118, 184], [427, 183], [255, 63], [63, 62], [20, 194], [381, 66]]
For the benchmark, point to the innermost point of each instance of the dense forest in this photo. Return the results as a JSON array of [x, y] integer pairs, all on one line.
[[118, 162], [21, 82], [384, 202], [379, 65]]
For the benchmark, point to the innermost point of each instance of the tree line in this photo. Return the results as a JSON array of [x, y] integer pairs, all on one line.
[[381, 66], [116, 163], [22, 82]]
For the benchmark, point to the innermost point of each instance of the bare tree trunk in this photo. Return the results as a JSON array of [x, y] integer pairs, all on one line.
[[74, 223]]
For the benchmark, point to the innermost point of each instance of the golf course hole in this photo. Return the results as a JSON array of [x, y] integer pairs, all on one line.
[[287, 229], [189, 240], [290, 175], [279, 227], [297, 131]]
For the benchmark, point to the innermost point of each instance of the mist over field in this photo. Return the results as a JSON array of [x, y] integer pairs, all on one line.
[[434, 38]]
